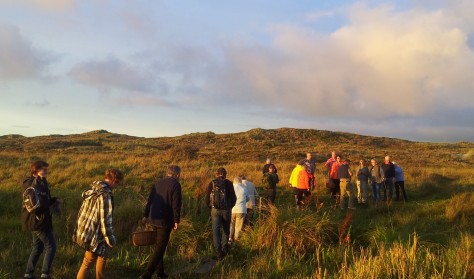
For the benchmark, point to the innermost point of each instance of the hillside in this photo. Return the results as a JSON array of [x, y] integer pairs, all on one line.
[[284, 144]]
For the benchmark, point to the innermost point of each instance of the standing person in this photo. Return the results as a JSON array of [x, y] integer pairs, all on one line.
[[294, 180], [267, 165], [163, 213], [329, 162], [344, 174], [389, 174], [335, 182], [399, 182], [239, 210], [94, 231], [302, 187], [36, 218], [363, 175], [270, 181], [310, 168], [220, 197], [251, 204], [376, 178]]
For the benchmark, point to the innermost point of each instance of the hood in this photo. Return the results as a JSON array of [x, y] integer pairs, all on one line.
[[97, 188]]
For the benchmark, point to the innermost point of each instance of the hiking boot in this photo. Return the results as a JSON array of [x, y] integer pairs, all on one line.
[[45, 276], [29, 276]]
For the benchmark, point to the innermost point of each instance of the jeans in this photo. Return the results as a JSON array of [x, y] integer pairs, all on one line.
[[376, 190], [236, 225], [42, 240], [362, 192], [88, 262], [156, 261], [220, 223]]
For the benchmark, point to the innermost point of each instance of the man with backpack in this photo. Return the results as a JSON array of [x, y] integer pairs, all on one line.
[[220, 197], [94, 232], [376, 178], [36, 218]]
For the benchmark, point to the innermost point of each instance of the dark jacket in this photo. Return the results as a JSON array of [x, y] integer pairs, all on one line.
[[388, 170], [266, 168], [231, 198], [163, 208], [270, 180], [343, 172], [40, 218]]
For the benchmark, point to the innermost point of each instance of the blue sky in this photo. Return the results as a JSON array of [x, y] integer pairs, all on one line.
[[401, 69]]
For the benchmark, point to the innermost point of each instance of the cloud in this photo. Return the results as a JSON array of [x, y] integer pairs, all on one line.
[[114, 74], [122, 82], [18, 58], [383, 63], [48, 5]]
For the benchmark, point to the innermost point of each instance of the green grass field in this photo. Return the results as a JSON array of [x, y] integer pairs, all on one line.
[[430, 236]]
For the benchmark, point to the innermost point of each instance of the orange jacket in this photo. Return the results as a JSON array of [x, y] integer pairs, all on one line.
[[334, 168], [303, 180]]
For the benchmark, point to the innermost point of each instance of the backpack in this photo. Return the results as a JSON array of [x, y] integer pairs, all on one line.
[[218, 198], [31, 199]]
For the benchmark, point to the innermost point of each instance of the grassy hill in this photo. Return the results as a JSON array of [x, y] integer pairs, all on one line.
[[429, 236]]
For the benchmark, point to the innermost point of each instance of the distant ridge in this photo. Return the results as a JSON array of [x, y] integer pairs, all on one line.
[[254, 145]]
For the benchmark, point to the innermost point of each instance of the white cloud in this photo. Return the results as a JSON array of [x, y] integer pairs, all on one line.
[[18, 58], [384, 62]]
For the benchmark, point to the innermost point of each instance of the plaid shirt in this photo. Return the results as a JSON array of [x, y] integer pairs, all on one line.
[[93, 230]]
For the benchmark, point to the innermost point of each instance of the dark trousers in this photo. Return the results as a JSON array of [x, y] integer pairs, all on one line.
[[42, 240], [300, 194], [388, 185], [271, 194], [400, 185], [220, 228], [156, 261], [335, 187]]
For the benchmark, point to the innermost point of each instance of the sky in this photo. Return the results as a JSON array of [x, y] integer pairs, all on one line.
[[402, 69]]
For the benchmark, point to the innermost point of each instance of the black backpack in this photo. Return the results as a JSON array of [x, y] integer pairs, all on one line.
[[218, 194]]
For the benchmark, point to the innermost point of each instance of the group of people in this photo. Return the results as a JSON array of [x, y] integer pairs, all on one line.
[[383, 178], [232, 206]]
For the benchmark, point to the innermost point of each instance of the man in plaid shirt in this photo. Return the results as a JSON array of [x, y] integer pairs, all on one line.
[[93, 230]]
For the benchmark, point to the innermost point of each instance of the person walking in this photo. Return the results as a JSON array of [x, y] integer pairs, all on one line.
[[220, 197], [389, 174], [239, 210], [294, 180], [344, 174], [270, 181], [363, 175], [399, 182], [376, 178], [162, 214], [251, 204], [302, 187], [94, 230], [37, 219]]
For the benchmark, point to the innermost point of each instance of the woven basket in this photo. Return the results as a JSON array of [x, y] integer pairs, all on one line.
[[143, 238]]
